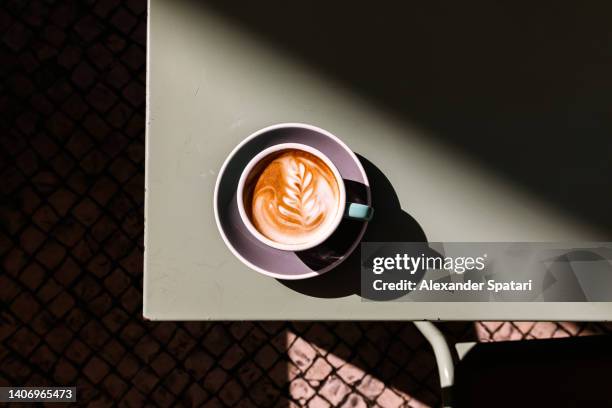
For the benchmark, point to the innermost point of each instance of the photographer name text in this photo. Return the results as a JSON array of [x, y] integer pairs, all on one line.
[[453, 265]]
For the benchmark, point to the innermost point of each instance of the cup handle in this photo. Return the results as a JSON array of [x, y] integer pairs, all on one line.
[[357, 211]]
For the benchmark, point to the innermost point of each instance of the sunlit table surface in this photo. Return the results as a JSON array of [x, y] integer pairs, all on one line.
[[211, 83]]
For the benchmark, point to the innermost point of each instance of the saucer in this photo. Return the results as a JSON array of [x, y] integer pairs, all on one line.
[[275, 262]]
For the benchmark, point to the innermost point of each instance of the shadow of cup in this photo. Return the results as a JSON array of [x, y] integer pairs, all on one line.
[[390, 224]]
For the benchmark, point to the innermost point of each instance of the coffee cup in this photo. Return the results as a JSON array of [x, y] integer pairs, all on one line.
[[291, 197]]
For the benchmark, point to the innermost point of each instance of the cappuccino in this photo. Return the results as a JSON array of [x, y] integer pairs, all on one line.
[[291, 196]]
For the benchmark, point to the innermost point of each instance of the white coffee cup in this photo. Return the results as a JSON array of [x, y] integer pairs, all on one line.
[[349, 210]]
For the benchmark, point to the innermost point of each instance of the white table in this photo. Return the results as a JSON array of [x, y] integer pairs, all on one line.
[[211, 83]]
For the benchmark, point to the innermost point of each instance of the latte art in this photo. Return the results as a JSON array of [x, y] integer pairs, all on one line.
[[295, 195]]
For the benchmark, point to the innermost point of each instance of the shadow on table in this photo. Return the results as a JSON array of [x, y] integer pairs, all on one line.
[[523, 91], [390, 224]]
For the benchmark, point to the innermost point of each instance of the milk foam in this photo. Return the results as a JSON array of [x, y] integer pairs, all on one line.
[[296, 196]]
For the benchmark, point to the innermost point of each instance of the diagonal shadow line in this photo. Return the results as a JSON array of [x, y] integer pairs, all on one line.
[[524, 92]]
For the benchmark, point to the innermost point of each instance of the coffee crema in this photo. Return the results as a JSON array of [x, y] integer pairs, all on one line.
[[292, 196]]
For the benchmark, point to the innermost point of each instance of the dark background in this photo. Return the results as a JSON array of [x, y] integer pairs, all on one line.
[[72, 101]]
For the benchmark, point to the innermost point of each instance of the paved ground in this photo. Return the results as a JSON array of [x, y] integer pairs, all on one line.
[[71, 211]]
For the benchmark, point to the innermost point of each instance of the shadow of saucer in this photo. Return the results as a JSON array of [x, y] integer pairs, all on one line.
[[390, 224]]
